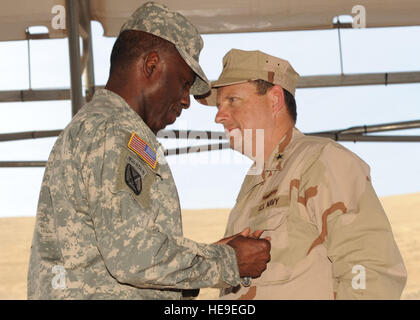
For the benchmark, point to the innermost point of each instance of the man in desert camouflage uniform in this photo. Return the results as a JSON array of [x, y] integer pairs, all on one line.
[[329, 234], [109, 223]]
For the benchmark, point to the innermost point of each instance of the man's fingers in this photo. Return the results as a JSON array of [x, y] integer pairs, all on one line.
[[225, 240], [257, 234], [245, 232]]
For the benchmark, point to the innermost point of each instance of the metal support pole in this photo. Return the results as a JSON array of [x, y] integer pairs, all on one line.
[[304, 82], [187, 134], [72, 20], [339, 46], [29, 135], [373, 128], [367, 138], [22, 164], [88, 72], [197, 149]]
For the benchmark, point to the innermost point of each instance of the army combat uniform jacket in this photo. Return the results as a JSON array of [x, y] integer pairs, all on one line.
[[108, 224], [330, 235]]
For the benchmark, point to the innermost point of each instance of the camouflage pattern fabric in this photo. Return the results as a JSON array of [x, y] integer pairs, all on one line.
[[315, 200], [108, 225]]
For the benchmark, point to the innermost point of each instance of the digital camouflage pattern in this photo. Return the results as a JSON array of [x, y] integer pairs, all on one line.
[[315, 200], [108, 225], [172, 26]]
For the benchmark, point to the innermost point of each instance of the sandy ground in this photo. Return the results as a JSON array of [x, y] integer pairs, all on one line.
[[207, 226]]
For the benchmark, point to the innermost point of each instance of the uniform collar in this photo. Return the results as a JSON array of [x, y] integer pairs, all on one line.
[[119, 104], [282, 150], [124, 109], [273, 163]]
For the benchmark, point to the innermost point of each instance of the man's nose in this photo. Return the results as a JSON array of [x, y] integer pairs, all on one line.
[[221, 115]]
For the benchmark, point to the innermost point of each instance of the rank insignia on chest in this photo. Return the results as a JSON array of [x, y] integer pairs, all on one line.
[[146, 152], [279, 156]]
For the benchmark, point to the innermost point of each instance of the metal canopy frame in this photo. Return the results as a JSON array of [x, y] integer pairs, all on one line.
[[78, 21], [340, 80], [359, 133]]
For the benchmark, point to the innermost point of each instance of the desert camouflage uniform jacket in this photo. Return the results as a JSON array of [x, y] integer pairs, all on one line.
[[330, 235], [108, 225]]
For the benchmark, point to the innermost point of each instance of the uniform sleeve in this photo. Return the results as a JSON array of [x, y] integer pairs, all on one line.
[[135, 248], [353, 226]]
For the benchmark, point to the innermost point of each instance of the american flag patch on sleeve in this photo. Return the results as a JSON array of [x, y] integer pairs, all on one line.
[[143, 150]]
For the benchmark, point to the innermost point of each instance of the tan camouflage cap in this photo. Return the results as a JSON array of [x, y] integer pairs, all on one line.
[[170, 25], [241, 66]]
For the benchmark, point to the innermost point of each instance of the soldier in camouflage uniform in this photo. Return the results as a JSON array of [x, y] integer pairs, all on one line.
[[330, 237], [108, 224]]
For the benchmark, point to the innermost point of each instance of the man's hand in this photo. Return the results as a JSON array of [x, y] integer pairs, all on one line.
[[245, 233], [252, 254]]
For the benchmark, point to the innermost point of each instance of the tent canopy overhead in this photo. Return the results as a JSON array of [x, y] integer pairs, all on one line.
[[216, 16]]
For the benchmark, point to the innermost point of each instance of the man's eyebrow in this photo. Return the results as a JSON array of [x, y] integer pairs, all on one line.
[[227, 97], [232, 95]]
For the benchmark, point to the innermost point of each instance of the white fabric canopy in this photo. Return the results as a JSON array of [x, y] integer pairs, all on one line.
[[216, 16], [17, 15]]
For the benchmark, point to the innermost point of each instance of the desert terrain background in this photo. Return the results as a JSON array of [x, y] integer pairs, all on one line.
[[208, 226]]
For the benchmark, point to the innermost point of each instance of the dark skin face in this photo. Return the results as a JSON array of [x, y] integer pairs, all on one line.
[[156, 86]]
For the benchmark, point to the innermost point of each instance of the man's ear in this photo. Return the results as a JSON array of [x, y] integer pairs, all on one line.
[[151, 61], [277, 98]]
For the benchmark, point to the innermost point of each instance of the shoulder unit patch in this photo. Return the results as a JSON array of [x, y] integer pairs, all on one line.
[[133, 179]]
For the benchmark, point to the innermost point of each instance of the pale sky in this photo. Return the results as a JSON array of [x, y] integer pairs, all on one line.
[[212, 180]]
